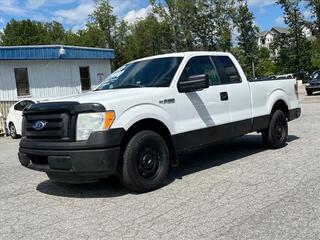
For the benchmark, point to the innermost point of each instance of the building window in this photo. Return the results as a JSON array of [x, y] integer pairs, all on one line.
[[85, 78], [22, 81]]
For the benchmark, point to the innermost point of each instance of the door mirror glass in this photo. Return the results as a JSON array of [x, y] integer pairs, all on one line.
[[194, 83]]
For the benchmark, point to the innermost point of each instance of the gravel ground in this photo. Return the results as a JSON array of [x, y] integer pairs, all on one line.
[[237, 190]]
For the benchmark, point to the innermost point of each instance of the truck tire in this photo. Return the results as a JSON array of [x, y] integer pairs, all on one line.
[[309, 93], [146, 162], [13, 131], [276, 135]]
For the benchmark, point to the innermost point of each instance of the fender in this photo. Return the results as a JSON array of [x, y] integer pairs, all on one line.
[[274, 96], [143, 111]]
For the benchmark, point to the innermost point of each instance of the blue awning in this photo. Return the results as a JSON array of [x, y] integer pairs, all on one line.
[[52, 52]]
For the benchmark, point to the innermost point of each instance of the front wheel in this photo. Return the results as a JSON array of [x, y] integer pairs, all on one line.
[[309, 93], [276, 135], [13, 131], [146, 162]]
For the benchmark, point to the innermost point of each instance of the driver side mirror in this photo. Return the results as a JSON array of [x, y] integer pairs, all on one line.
[[194, 83]]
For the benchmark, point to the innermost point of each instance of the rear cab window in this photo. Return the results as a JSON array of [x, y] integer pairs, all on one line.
[[227, 70]]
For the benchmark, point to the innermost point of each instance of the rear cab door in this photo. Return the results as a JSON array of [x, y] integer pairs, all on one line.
[[202, 110], [238, 91]]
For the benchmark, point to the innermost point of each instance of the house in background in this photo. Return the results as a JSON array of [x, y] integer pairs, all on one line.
[[266, 38], [42, 72]]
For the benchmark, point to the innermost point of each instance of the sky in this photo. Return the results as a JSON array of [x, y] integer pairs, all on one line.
[[74, 13]]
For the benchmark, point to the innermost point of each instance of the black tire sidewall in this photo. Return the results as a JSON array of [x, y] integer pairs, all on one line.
[[269, 136], [13, 134], [130, 175]]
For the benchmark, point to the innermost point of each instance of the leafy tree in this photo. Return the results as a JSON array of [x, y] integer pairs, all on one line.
[[314, 6], [25, 32], [298, 47], [315, 54], [265, 66], [224, 12], [102, 20], [247, 39], [181, 16]]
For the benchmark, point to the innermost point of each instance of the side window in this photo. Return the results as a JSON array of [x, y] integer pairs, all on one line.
[[22, 81], [229, 70], [22, 105], [85, 78], [201, 65]]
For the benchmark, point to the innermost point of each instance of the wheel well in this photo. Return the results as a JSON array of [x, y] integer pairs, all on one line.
[[280, 105], [154, 125]]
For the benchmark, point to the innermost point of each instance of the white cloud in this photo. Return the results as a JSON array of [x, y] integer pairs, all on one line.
[[261, 3], [279, 21], [11, 7], [34, 4], [1, 20], [122, 7], [76, 15], [134, 15]]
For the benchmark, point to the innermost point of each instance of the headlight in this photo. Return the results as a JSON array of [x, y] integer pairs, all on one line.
[[308, 84], [93, 122]]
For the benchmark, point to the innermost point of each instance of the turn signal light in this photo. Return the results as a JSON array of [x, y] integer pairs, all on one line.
[[108, 119]]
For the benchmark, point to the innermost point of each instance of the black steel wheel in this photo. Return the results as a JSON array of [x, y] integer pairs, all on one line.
[[146, 162], [276, 135]]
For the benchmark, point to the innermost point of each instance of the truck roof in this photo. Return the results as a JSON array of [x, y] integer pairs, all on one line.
[[184, 54]]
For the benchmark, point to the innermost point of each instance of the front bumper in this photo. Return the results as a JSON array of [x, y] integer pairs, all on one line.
[[74, 162], [313, 88]]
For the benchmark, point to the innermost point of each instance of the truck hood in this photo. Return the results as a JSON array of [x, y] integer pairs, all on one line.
[[106, 96]]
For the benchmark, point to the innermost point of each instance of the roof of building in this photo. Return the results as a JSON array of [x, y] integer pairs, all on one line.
[[281, 30], [52, 52], [277, 29]]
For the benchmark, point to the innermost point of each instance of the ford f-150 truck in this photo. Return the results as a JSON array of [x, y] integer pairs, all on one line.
[[149, 111]]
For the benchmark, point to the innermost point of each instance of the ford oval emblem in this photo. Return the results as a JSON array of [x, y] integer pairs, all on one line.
[[39, 125]]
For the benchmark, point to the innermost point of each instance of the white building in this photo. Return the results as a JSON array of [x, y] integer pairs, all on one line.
[[42, 72], [266, 38]]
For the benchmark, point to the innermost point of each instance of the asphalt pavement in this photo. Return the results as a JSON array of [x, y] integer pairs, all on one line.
[[237, 190]]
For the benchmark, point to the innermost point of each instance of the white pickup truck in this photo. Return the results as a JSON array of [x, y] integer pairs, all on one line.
[[139, 120]]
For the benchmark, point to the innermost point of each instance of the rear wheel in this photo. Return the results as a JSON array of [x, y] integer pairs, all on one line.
[[13, 131], [276, 135], [146, 162], [309, 93]]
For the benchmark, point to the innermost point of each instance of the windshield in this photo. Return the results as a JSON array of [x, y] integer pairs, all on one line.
[[147, 73], [316, 76]]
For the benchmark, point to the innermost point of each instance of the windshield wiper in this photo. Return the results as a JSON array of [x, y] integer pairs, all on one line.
[[129, 86]]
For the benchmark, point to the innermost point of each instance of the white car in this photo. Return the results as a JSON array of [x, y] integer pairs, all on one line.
[[14, 119], [148, 112]]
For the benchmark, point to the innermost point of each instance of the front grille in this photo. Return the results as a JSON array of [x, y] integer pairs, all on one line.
[[56, 127]]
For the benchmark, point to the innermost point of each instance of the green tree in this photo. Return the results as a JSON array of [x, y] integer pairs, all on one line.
[[103, 21], [148, 37], [314, 6], [298, 47], [224, 12], [181, 16], [265, 66], [315, 54], [25, 32], [247, 39]]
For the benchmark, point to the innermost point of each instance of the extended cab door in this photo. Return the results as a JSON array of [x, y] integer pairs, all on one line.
[[203, 116], [238, 94]]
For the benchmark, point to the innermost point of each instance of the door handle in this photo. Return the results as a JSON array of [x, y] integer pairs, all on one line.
[[224, 96]]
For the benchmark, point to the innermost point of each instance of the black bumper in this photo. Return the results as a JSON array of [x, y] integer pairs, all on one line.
[[294, 114], [74, 162], [313, 88]]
